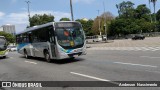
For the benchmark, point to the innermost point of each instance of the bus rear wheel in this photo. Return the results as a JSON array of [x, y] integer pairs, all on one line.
[[26, 55], [47, 56]]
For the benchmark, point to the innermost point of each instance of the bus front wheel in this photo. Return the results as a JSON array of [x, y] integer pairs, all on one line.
[[47, 56]]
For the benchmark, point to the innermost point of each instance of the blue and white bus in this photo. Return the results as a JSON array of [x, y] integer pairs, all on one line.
[[3, 47], [54, 40]]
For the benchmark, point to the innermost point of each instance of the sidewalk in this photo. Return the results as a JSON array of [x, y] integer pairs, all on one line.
[[148, 42], [108, 41]]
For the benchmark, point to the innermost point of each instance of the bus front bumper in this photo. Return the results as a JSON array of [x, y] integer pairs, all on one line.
[[3, 53]]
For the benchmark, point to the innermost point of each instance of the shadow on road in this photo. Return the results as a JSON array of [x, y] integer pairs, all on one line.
[[66, 61], [1, 58], [62, 61]]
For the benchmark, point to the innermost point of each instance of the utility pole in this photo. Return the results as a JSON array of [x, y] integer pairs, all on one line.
[[150, 10], [71, 10], [28, 2], [105, 22], [99, 24]]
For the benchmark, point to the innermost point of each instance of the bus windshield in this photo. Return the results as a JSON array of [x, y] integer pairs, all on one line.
[[2, 44], [70, 37]]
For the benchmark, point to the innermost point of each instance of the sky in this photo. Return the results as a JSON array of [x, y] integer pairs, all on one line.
[[16, 11]]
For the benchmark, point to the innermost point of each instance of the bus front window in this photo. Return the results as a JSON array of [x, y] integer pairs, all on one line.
[[70, 38], [2, 44]]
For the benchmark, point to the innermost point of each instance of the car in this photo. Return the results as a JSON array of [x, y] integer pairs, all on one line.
[[138, 37], [12, 48]]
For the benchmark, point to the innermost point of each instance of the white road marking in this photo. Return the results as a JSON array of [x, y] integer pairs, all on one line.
[[30, 62], [92, 77], [135, 64], [153, 71], [127, 48], [149, 57]]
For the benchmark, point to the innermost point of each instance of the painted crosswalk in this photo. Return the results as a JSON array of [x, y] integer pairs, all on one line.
[[127, 48]]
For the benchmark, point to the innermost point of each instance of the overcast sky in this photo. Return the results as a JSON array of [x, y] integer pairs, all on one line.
[[15, 11]]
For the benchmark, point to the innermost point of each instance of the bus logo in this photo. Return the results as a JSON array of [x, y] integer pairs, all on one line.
[[72, 43], [6, 84]]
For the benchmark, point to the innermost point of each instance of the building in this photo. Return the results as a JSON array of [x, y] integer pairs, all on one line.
[[85, 19], [8, 28], [1, 28]]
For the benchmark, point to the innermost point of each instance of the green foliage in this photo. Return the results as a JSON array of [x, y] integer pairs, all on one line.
[[40, 19], [105, 18], [87, 26], [125, 9], [142, 12], [9, 37], [65, 19], [131, 20], [158, 15]]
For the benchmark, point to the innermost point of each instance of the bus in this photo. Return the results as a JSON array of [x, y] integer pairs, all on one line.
[[54, 40], [3, 47]]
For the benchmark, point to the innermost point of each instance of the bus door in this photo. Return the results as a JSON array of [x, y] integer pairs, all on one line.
[[52, 42], [30, 45]]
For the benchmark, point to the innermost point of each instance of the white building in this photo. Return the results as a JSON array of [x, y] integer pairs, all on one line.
[[85, 19], [1, 28], [8, 28]]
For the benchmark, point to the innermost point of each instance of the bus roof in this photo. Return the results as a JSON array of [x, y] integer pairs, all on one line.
[[40, 26]]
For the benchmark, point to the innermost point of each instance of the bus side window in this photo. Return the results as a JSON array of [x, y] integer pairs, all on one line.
[[30, 37], [51, 33]]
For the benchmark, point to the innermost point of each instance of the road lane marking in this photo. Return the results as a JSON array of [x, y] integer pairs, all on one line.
[[153, 71], [92, 77], [135, 64], [149, 57], [30, 62]]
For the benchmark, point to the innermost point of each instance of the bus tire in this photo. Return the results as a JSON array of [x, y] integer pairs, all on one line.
[[26, 54], [72, 58], [47, 56]]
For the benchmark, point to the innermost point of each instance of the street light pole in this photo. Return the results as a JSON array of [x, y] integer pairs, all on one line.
[[99, 23], [28, 2], [105, 21], [71, 10], [150, 9]]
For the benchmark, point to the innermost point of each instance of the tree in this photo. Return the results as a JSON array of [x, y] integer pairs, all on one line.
[[142, 12], [125, 9], [105, 16], [9, 37], [131, 20], [95, 26], [158, 15], [154, 6], [158, 19], [65, 19], [40, 19], [87, 26]]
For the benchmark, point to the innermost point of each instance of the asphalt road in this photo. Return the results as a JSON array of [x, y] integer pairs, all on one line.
[[97, 65]]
